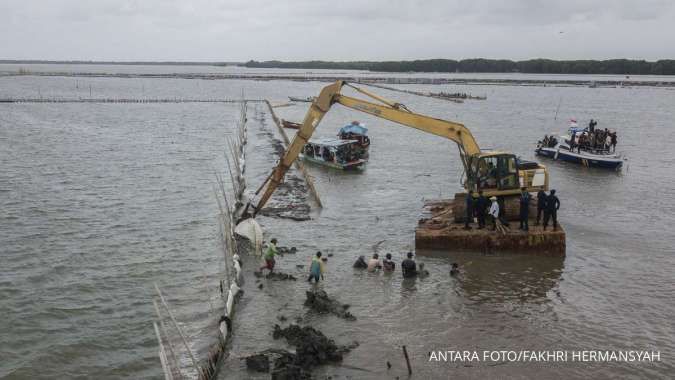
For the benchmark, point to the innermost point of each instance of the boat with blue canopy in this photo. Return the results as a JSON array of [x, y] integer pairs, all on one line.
[[357, 129], [359, 132]]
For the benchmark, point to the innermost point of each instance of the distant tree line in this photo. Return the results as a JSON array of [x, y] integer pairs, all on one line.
[[480, 65], [142, 63]]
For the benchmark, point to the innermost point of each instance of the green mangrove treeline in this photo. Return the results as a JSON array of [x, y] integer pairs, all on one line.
[[480, 65]]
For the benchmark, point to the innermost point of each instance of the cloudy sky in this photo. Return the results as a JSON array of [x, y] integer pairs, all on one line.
[[237, 30]]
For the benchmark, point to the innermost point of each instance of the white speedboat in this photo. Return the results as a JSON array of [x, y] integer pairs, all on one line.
[[558, 148]]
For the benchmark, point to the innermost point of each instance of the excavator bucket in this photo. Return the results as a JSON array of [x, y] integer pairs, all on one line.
[[251, 230]]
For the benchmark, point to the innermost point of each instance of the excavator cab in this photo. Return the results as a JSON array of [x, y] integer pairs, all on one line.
[[494, 172]]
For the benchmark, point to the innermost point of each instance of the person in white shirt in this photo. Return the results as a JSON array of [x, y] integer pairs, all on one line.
[[494, 212]]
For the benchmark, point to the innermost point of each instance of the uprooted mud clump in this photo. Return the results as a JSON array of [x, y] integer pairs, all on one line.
[[286, 368], [276, 276], [285, 250], [319, 301], [297, 212], [258, 363], [312, 348]]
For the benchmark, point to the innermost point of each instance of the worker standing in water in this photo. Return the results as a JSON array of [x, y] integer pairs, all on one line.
[[551, 212], [409, 267], [374, 263], [316, 268], [388, 265], [269, 256], [524, 209], [469, 210]]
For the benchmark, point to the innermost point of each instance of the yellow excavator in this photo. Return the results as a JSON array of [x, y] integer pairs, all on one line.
[[497, 173]]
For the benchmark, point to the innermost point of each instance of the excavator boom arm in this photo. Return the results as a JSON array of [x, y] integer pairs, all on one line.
[[448, 129], [390, 111]]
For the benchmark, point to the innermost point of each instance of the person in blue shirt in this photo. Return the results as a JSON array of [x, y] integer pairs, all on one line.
[[469, 210], [551, 211], [541, 204], [481, 206], [316, 269]]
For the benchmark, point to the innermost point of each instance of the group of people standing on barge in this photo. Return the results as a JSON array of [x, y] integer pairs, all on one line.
[[481, 208]]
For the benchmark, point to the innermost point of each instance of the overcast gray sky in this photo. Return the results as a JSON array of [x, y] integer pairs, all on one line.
[[237, 30]]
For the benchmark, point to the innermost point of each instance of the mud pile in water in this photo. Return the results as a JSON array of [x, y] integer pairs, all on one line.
[[258, 363], [276, 276], [312, 348], [285, 250], [319, 301], [286, 368], [291, 197]]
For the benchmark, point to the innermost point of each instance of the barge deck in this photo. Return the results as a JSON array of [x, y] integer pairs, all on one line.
[[437, 229]]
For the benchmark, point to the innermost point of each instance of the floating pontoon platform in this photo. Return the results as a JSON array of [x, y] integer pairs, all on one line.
[[437, 229]]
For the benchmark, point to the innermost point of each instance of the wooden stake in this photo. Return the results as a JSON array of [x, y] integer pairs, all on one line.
[[208, 293], [407, 360], [162, 355], [168, 341], [180, 332]]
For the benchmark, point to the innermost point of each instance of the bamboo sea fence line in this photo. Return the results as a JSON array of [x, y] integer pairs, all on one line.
[[125, 100], [418, 93], [383, 78], [175, 353]]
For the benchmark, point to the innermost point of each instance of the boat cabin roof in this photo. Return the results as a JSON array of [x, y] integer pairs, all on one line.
[[331, 142]]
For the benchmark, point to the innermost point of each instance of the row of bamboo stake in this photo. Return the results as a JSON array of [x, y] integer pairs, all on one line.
[[122, 100], [181, 362]]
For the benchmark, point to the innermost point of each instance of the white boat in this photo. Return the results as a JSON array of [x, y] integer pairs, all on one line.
[[558, 148]]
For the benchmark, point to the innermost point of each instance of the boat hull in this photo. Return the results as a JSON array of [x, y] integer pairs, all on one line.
[[354, 165], [589, 160]]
